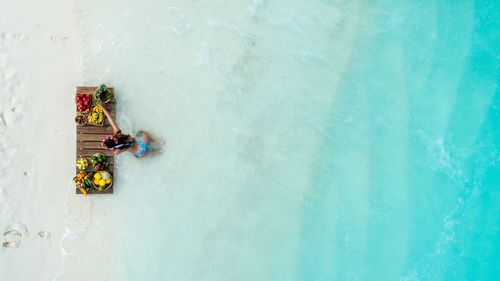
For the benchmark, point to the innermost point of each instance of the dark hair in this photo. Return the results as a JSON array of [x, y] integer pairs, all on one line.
[[121, 144]]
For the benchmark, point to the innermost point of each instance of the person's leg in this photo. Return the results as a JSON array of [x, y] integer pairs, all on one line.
[[151, 137], [155, 139], [152, 152]]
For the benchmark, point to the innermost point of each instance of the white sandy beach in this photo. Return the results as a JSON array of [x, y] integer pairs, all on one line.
[[38, 75]]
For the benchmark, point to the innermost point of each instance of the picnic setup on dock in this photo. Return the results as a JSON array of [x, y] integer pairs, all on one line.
[[94, 163]]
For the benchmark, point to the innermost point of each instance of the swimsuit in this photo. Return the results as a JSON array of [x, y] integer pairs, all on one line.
[[143, 147]]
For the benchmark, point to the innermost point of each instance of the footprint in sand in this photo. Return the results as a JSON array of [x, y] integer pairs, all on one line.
[[13, 234], [7, 36], [55, 39], [44, 234]]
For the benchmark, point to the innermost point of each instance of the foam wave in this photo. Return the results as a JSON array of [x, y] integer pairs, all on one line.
[[76, 222]]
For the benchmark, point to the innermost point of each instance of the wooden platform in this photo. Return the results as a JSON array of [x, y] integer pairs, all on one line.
[[88, 139]]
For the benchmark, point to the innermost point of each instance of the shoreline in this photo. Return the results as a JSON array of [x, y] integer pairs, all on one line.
[[39, 72]]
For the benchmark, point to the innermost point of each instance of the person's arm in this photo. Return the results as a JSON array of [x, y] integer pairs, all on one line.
[[117, 151], [111, 121]]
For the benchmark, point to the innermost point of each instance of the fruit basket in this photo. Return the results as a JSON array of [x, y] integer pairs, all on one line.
[[82, 164], [84, 182], [83, 103], [81, 119], [96, 116], [99, 161], [104, 94], [102, 180]]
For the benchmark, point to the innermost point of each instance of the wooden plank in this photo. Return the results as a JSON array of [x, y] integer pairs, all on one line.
[[105, 130], [90, 152], [93, 191], [89, 137], [88, 140], [89, 145]]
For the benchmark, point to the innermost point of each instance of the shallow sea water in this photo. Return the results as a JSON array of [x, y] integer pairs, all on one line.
[[305, 140]]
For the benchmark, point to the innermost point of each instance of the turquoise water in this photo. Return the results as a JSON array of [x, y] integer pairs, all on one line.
[[306, 140]]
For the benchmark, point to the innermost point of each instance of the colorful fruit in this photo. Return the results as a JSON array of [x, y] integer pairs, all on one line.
[[82, 163], [102, 179], [83, 102], [83, 182], [81, 119], [99, 161], [78, 179], [97, 116], [84, 192]]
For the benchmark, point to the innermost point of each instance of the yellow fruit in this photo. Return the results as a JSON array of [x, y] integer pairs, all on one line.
[[96, 181], [102, 182], [97, 176], [83, 191], [108, 181]]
